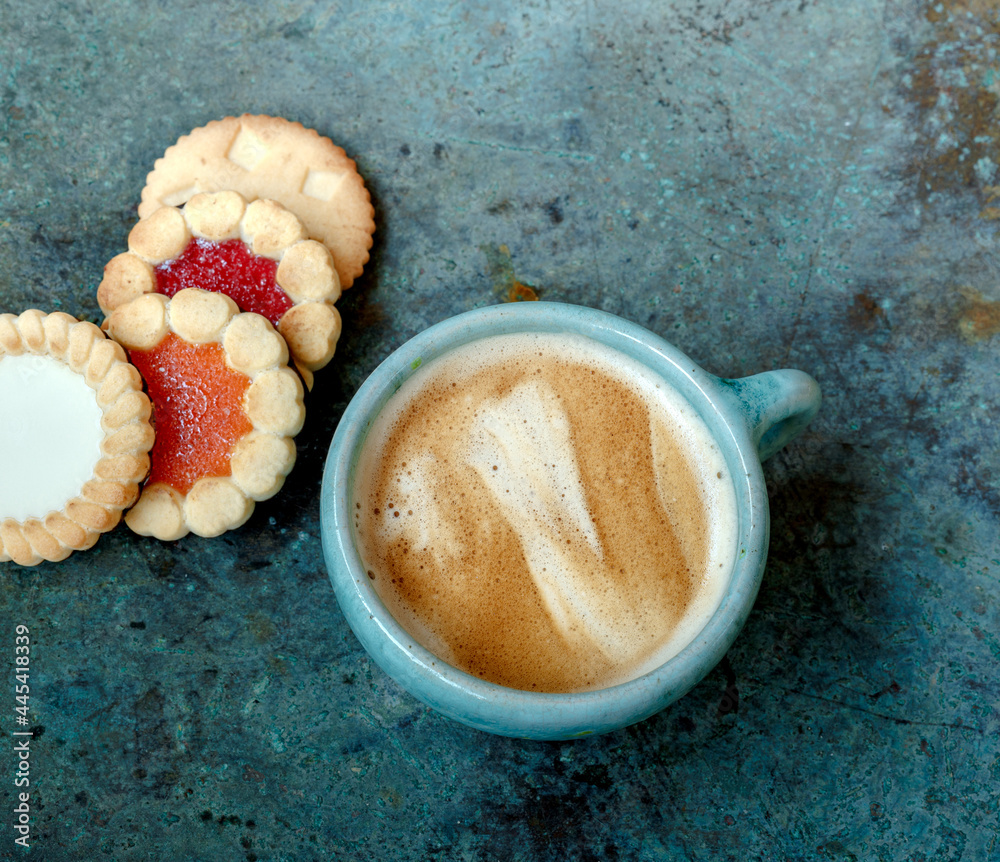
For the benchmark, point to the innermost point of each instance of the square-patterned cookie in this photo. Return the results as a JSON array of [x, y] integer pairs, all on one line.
[[277, 159]]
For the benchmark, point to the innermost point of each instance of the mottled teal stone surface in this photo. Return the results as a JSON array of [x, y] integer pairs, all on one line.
[[764, 183]]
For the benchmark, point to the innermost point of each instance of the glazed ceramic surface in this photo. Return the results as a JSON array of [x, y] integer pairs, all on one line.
[[750, 419]]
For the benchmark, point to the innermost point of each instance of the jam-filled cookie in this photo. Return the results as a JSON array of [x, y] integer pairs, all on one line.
[[274, 158], [74, 435], [225, 408], [256, 253]]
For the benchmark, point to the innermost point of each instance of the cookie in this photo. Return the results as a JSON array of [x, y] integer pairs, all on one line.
[[256, 253], [225, 408], [74, 433], [273, 158]]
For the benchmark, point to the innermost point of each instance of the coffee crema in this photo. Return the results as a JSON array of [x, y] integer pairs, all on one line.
[[544, 512]]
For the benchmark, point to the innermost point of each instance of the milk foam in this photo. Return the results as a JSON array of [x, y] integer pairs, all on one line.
[[475, 516], [50, 435]]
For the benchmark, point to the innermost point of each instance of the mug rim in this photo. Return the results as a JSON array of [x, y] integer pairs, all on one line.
[[490, 706]]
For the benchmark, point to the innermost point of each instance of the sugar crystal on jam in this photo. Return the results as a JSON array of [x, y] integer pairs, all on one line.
[[227, 267], [197, 409]]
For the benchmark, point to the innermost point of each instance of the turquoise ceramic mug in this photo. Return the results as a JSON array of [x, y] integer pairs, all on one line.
[[750, 419]]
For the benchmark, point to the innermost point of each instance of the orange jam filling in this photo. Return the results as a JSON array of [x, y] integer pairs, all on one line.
[[197, 410]]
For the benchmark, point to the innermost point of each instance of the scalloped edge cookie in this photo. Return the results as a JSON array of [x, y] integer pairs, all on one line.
[[271, 157], [306, 271], [128, 436], [273, 403]]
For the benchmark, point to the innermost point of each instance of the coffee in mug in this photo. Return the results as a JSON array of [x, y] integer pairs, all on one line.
[[544, 512]]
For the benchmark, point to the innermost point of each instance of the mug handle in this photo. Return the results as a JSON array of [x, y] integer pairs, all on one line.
[[776, 406]]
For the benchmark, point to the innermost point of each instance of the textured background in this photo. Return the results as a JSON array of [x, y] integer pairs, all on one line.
[[765, 183]]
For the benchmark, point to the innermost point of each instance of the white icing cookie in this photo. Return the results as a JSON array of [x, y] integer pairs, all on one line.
[[74, 433]]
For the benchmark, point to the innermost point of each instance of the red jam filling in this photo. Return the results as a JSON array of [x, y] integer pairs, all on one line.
[[197, 410], [227, 267]]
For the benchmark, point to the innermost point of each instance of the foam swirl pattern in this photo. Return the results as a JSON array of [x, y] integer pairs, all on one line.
[[545, 514]]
